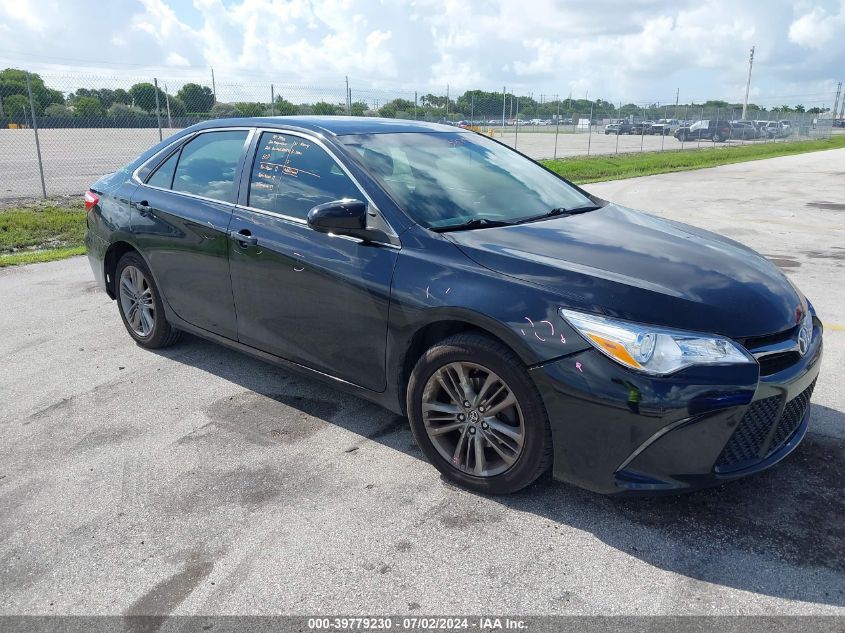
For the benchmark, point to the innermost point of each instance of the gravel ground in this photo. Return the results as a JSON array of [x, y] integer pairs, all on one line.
[[199, 481]]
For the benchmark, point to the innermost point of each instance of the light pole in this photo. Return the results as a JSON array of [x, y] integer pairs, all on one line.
[[748, 84]]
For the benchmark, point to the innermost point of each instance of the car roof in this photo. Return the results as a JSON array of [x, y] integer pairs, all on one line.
[[332, 125]]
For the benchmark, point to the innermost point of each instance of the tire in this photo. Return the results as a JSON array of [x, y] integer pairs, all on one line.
[[480, 358], [717, 138], [682, 137], [147, 323]]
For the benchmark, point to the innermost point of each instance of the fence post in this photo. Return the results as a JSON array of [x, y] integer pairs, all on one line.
[[167, 101], [642, 129], [35, 129], [590, 130], [557, 124], [516, 134], [158, 109], [272, 102]]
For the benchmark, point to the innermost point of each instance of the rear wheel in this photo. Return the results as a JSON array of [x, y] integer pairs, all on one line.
[[682, 137], [477, 415], [140, 305]]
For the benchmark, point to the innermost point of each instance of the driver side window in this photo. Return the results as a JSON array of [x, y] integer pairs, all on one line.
[[291, 174]]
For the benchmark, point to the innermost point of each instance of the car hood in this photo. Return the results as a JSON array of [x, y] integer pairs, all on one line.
[[631, 265]]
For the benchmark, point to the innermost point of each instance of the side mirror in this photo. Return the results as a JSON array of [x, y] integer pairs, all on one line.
[[342, 217]]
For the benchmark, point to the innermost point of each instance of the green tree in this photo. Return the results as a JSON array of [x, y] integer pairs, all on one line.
[[321, 107], [16, 105], [123, 111], [224, 110], [87, 107], [359, 108], [13, 82], [398, 108], [251, 108], [177, 107], [196, 98], [283, 107], [144, 95], [57, 109]]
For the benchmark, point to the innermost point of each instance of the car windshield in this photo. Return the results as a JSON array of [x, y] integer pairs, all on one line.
[[448, 179]]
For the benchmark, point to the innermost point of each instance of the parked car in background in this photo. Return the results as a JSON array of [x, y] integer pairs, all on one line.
[[711, 130], [767, 129], [520, 323], [643, 127], [785, 128], [744, 130], [775, 129], [617, 127], [664, 126]]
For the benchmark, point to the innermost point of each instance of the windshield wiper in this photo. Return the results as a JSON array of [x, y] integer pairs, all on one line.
[[475, 223], [560, 211]]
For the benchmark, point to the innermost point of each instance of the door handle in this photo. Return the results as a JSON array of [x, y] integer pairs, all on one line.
[[244, 237], [144, 208]]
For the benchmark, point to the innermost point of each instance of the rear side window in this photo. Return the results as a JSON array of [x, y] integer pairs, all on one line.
[[163, 176], [291, 175], [208, 163]]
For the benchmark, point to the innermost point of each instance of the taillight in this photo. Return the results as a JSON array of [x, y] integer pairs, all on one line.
[[91, 200]]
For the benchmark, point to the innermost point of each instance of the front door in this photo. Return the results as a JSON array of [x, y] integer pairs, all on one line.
[[316, 299], [180, 217]]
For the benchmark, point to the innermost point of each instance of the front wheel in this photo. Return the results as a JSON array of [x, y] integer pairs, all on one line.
[[477, 415], [140, 304]]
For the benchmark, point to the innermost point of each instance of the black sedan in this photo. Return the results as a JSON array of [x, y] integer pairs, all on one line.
[[519, 322]]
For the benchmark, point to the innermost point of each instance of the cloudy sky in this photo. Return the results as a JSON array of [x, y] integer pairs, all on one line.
[[630, 50]]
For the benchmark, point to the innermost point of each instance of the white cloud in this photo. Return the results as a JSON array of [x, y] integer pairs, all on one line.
[[632, 50], [817, 28], [175, 59]]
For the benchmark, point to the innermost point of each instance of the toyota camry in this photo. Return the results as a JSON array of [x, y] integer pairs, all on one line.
[[520, 323]]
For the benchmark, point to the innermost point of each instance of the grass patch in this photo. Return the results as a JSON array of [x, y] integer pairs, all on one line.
[[41, 232], [38, 256], [584, 169]]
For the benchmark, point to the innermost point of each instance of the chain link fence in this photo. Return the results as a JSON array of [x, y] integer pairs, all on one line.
[[59, 133]]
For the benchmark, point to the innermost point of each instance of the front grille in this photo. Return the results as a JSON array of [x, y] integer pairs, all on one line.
[[772, 363], [777, 362], [754, 439], [751, 434], [793, 413]]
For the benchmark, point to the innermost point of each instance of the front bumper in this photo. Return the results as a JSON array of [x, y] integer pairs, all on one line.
[[616, 431]]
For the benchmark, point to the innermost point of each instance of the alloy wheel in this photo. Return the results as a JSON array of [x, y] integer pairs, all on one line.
[[473, 419], [137, 302]]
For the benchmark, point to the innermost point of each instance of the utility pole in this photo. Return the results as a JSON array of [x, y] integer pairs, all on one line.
[[748, 84], [213, 86], [348, 98], [836, 102], [167, 100], [272, 101], [158, 109]]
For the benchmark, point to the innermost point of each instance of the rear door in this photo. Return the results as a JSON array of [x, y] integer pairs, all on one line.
[[180, 219], [317, 299]]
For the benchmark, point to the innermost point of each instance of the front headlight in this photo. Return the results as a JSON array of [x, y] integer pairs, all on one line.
[[653, 349]]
